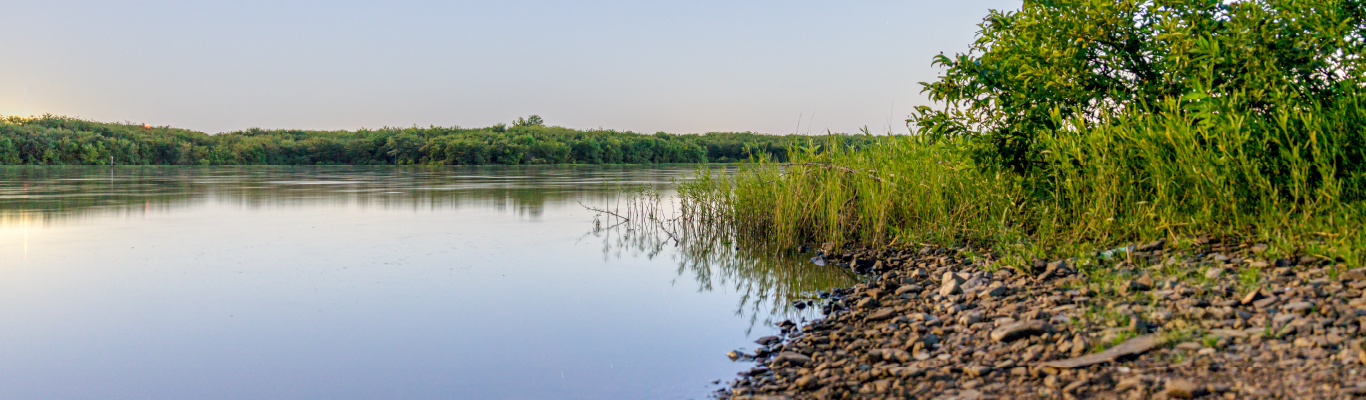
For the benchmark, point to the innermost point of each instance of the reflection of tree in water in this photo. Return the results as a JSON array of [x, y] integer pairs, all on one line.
[[771, 281], [53, 194]]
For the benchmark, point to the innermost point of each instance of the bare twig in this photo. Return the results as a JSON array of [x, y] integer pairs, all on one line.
[[602, 211]]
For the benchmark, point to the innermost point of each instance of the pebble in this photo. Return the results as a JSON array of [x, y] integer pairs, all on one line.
[[1183, 389], [1018, 330]]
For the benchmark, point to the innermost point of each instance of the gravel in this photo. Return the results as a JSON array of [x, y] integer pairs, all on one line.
[[1148, 322]]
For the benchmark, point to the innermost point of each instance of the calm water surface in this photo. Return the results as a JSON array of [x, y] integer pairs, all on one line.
[[364, 283]]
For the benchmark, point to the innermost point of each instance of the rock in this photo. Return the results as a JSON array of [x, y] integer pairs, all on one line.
[[996, 289], [768, 340], [970, 318], [1214, 272], [1150, 246], [882, 314], [1263, 303], [976, 370], [1139, 284], [1018, 330], [1297, 306], [734, 355], [792, 357], [906, 372], [950, 284], [1253, 295], [867, 302], [807, 382], [1183, 389], [1354, 274], [892, 354], [1134, 346], [1079, 345], [906, 289], [1259, 248]]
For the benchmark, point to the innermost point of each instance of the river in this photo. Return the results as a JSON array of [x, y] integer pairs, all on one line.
[[368, 282]]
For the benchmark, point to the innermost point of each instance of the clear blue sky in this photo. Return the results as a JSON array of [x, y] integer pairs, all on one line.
[[689, 66]]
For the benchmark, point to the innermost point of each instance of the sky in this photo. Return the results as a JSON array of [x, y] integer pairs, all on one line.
[[646, 66]]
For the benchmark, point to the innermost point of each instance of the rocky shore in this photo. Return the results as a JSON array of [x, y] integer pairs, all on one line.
[[1209, 320]]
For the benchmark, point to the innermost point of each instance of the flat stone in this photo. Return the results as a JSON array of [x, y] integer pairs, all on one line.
[[882, 314], [1263, 303], [1134, 346], [892, 354], [907, 289], [1214, 273], [792, 357], [1183, 389], [1018, 330], [868, 302], [768, 340], [906, 372], [1284, 317], [1297, 306], [1253, 295]]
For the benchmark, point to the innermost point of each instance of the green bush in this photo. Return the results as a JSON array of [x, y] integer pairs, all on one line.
[[1064, 66]]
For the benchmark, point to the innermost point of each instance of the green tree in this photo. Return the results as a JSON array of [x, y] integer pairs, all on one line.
[[1057, 64]]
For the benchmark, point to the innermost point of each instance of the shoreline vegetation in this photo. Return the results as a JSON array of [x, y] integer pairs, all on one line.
[[54, 140], [1190, 173]]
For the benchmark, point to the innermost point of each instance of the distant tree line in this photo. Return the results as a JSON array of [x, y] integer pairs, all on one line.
[[53, 140]]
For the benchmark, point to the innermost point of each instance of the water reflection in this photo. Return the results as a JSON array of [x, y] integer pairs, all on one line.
[[775, 284], [771, 280], [51, 194], [269, 282]]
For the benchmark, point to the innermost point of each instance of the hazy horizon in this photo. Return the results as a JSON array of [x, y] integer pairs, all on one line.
[[679, 67]]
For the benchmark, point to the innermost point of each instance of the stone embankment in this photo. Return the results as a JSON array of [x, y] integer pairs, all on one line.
[[1212, 321]]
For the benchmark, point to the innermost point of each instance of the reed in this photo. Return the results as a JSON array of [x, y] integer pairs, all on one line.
[[1296, 184]]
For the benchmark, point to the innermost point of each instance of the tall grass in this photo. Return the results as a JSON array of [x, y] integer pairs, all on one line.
[[1291, 177]]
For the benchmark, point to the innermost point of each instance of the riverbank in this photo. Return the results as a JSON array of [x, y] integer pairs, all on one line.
[[1206, 319]]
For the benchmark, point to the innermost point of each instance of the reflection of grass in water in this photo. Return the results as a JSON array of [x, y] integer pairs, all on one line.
[[769, 279]]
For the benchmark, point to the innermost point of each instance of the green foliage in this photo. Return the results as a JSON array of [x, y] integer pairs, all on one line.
[[533, 120], [1055, 67], [1081, 125], [51, 140]]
